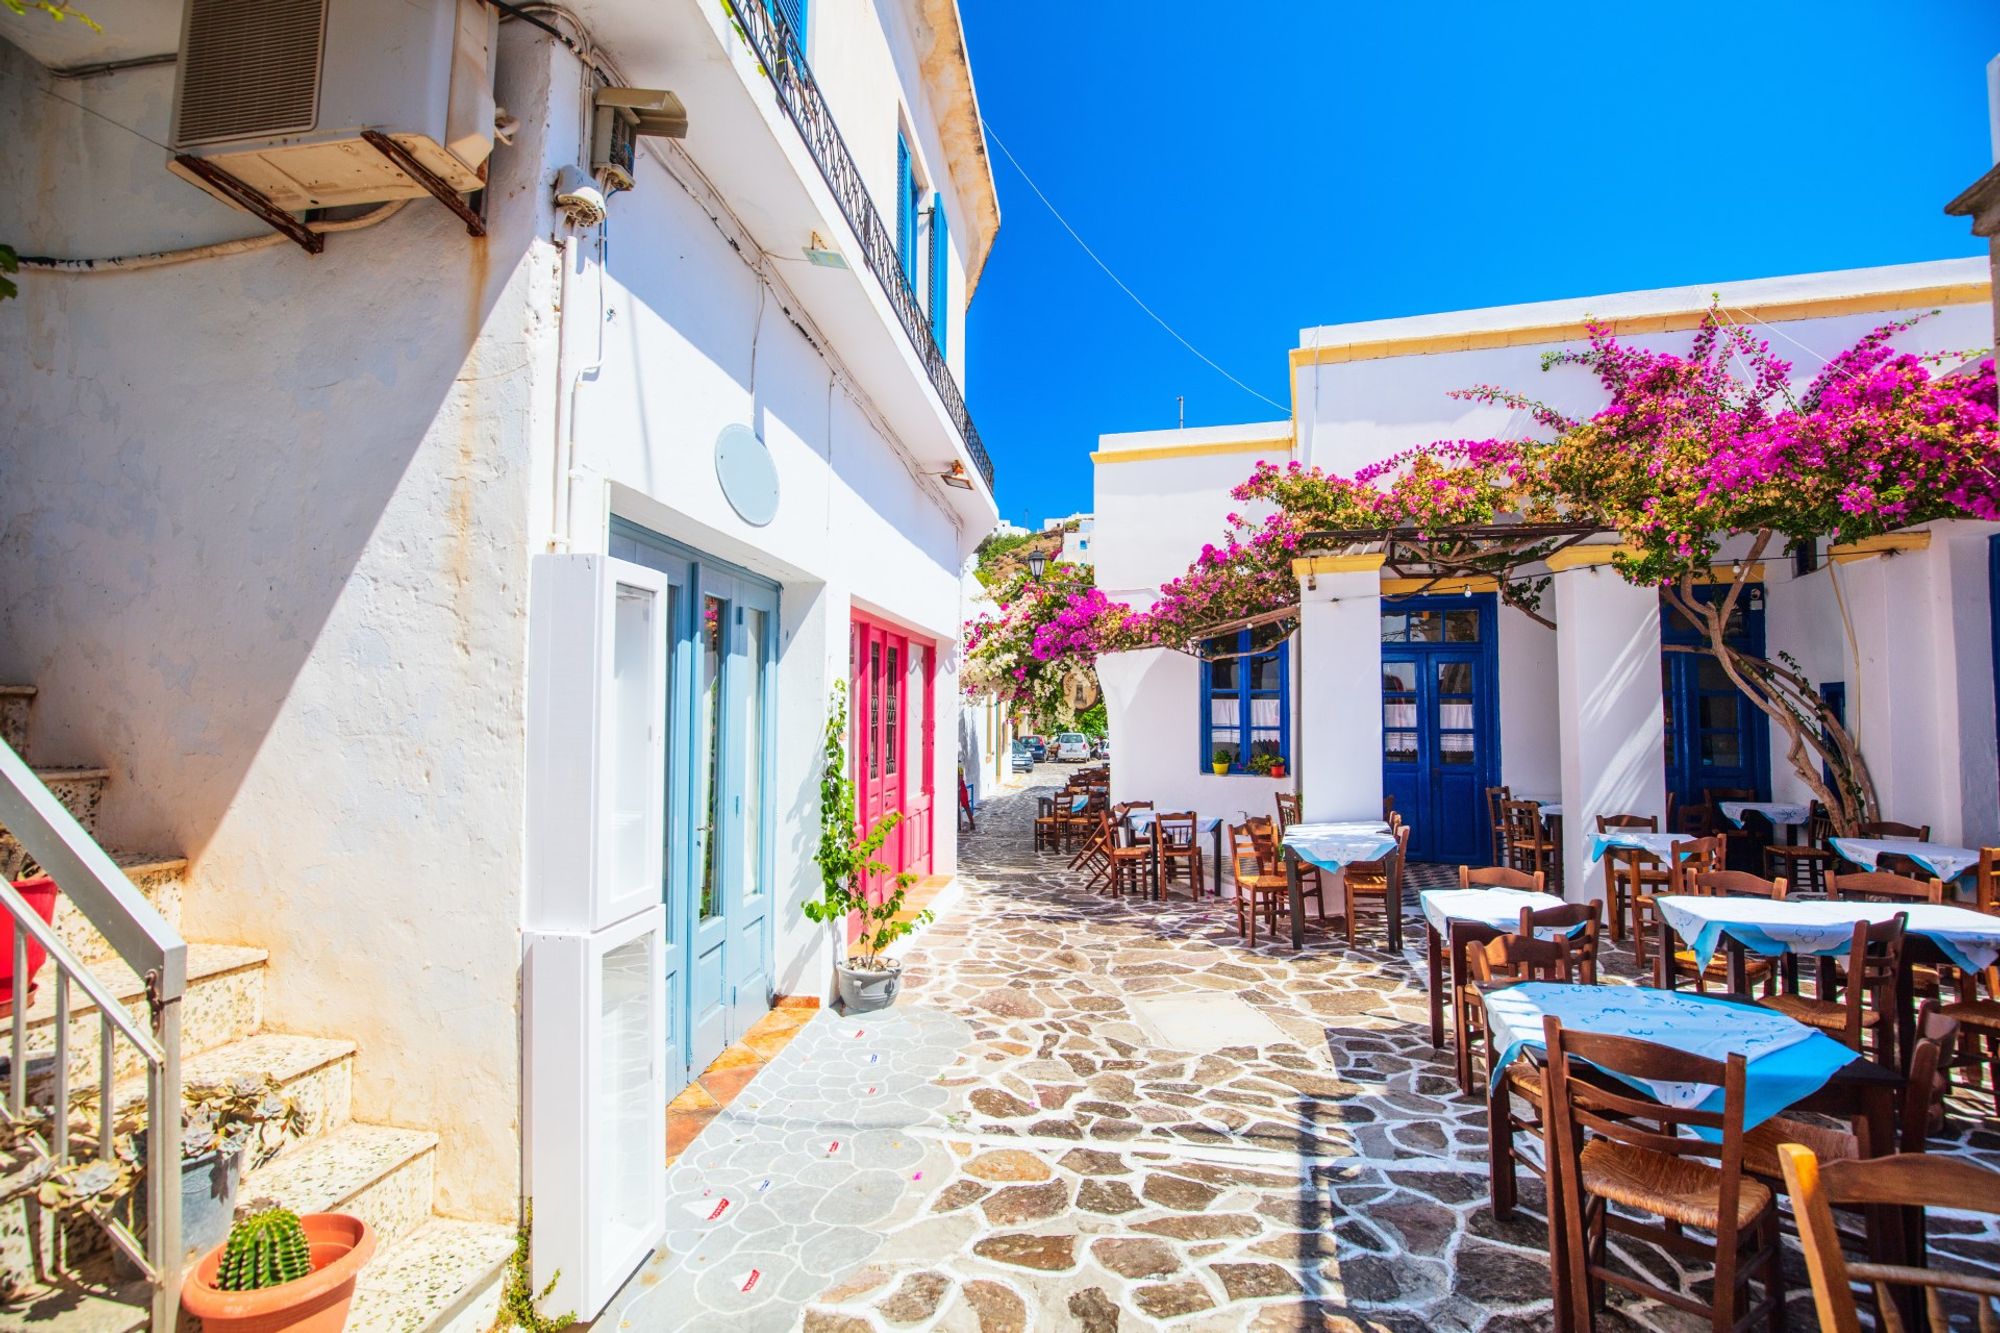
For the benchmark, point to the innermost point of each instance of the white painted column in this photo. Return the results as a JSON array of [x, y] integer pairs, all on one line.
[[1613, 741], [1337, 719]]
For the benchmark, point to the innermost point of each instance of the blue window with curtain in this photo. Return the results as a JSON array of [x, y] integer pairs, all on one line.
[[1245, 704], [940, 270], [906, 210], [794, 14]]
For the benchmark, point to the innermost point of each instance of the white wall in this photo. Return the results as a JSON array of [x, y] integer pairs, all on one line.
[[1152, 704], [1530, 730]]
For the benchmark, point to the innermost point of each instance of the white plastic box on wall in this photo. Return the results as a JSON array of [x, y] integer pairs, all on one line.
[[597, 1095], [597, 692]]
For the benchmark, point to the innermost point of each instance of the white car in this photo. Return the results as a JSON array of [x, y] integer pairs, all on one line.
[[1072, 747]]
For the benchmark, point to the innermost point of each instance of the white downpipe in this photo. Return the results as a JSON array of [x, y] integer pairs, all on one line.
[[216, 250]]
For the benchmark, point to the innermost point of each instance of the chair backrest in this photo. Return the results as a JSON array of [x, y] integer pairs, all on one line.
[[1608, 1109], [1819, 826], [1690, 856], [1731, 884], [1175, 832], [1889, 828], [1288, 809], [1605, 823], [1911, 1180], [1583, 944], [1937, 1034], [1518, 958], [1717, 795], [1501, 877], [1249, 855], [1388, 806], [1700, 821], [1495, 798], [1881, 886]]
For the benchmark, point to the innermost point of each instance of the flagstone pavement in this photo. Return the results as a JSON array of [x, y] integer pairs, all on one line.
[[1019, 1144]]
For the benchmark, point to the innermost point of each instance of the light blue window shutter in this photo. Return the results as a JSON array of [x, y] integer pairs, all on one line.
[[795, 16], [940, 271], [906, 210]]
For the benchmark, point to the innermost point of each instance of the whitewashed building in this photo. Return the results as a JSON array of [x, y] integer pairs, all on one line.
[[1431, 698], [293, 545]]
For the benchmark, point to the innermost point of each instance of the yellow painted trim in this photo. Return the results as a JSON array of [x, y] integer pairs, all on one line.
[[1579, 557], [1725, 574], [1675, 321], [1191, 451], [1337, 564], [1847, 552], [1475, 583]]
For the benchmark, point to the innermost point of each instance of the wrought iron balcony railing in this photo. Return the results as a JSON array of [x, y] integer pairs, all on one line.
[[778, 48]]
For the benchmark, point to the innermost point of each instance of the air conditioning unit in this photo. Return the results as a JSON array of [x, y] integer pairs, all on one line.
[[277, 94]]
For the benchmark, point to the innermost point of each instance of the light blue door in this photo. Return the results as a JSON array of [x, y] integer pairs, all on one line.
[[719, 834]]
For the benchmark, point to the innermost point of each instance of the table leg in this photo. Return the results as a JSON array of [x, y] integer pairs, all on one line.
[[1437, 986], [1216, 834], [1739, 967], [1663, 957], [1906, 1016], [1298, 901]]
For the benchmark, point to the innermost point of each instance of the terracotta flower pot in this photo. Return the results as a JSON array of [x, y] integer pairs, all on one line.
[[316, 1303]]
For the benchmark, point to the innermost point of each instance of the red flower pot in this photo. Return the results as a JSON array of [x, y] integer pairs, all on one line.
[[316, 1303], [41, 894]]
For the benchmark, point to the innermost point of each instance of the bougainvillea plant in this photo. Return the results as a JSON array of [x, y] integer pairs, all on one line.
[[1037, 650], [1692, 453]]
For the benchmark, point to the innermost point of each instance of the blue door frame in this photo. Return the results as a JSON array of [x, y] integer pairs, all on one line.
[[1441, 720], [1715, 736], [720, 817]]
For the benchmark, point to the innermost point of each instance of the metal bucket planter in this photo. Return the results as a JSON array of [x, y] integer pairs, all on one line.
[[864, 990], [210, 1185]]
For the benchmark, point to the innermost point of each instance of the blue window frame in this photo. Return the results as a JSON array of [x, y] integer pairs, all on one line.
[[906, 210], [1246, 703], [794, 14], [940, 270]]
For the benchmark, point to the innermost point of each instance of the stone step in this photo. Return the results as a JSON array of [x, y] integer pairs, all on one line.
[[161, 877], [224, 1003], [317, 1071], [14, 702], [443, 1278], [80, 789], [380, 1174]]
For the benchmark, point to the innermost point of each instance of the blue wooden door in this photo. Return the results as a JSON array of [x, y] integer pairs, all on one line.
[[1715, 737], [1440, 721]]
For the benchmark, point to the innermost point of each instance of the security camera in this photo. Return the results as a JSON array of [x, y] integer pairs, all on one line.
[[579, 198]]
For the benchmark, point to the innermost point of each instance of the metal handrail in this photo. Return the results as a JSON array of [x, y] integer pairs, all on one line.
[[771, 37], [154, 950]]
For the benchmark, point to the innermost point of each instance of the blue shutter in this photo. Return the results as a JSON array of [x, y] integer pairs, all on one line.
[[940, 271], [906, 211], [794, 14]]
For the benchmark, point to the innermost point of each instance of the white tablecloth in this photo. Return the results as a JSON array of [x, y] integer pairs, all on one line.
[[1331, 846], [1944, 861], [1778, 812], [1498, 908], [1659, 844], [1823, 929], [1143, 820]]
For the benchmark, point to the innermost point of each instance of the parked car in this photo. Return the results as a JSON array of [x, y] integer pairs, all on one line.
[[1036, 747], [1021, 757], [1072, 747]]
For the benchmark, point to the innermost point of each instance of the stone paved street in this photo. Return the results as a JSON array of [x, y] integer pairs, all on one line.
[[1060, 1162]]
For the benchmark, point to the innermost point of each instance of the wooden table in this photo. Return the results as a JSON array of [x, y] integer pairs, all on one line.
[[1210, 824], [1471, 916], [1366, 833]]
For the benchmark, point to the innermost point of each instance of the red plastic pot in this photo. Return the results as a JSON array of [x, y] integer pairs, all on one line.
[[41, 893], [316, 1303]]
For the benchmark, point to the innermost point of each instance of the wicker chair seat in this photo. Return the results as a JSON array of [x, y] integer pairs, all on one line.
[[1827, 1015], [1981, 1014], [1679, 1189], [1760, 1145], [1525, 1081]]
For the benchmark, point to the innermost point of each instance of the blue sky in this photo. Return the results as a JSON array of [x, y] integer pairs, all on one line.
[[1253, 170]]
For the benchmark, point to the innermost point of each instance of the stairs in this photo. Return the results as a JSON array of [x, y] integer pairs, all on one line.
[[429, 1272]]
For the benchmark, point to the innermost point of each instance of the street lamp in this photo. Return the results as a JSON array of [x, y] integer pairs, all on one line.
[[1037, 562]]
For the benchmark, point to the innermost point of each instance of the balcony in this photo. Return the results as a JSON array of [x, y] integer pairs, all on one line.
[[783, 58]]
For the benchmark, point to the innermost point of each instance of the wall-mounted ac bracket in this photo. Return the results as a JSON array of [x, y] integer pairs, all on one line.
[[440, 188], [308, 240]]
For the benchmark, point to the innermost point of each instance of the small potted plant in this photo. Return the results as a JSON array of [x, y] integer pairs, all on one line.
[[1261, 763], [868, 981], [279, 1271], [1277, 768], [1219, 761]]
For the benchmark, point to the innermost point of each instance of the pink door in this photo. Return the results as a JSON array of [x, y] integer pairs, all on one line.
[[892, 734]]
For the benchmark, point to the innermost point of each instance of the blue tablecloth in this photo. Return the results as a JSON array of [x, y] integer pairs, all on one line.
[[1971, 940], [1787, 1061], [1497, 909], [1941, 859], [1659, 844]]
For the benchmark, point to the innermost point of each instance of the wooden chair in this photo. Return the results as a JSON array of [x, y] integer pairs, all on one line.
[[1869, 1004], [1526, 846], [1177, 845], [1806, 865], [1612, 1145], [1093, 857], [1312, 883], [1629, 872], [1080, 824], [1377, 879], [1893, 862], [1049, 821], [1986, 882], [1501, 877], [1496, 821], [1583, 944], [1260, 886], [1980, 1017], [1725, 884], [1906, 1180], [1694, 856], [1389, 809], [1491, 965], [1877, 886], [1131, 862]]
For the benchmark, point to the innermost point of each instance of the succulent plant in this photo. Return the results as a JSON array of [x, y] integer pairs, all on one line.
[[265, 1249]]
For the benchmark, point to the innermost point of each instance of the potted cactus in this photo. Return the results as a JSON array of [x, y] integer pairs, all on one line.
[[1219, 761], [279, 1271]]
